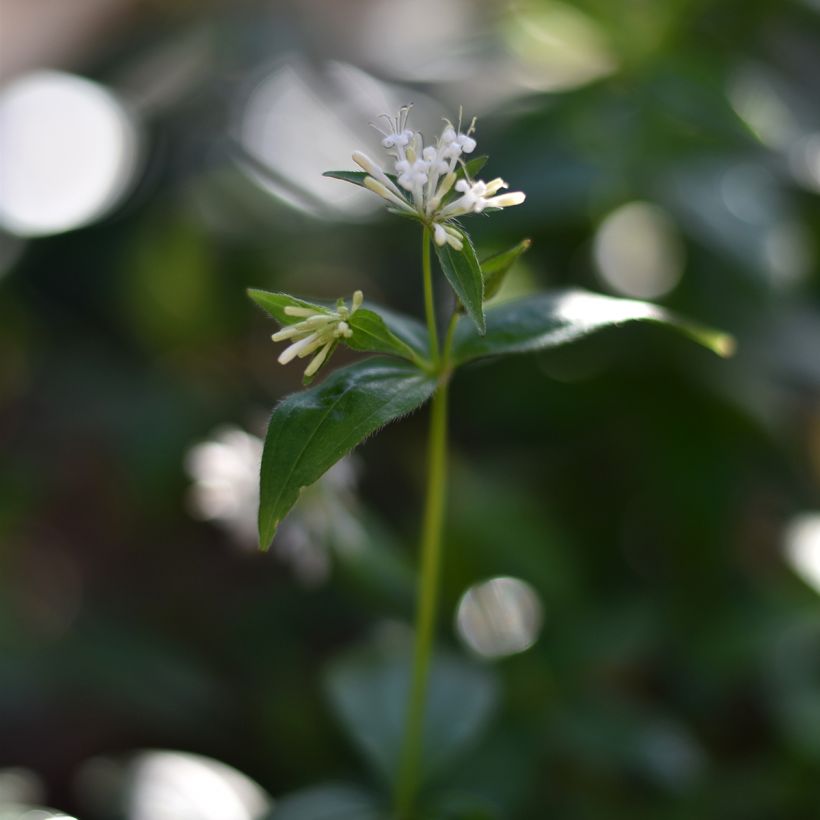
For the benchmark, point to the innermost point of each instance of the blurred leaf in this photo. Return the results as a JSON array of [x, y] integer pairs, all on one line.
[[310, 431], [551, 319], [464, 273], [328, 802], [461, 806], [368, 690], [495, 268]]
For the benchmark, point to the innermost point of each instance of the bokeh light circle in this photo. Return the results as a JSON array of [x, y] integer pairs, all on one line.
[[499, 617], [638, 251], [68, 151], [802, 547]]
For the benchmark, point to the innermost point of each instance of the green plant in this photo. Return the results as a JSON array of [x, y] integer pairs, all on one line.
[[312, 430]]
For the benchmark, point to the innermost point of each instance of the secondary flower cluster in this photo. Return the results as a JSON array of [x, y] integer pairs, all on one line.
[[425, 176], [319, 329]]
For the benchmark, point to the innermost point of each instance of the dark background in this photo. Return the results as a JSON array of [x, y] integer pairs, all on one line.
[[647, 490]]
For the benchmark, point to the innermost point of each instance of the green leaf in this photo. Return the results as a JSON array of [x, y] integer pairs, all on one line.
[[275, 304], [555, 318], [356, 177], [464, 273], [370, 333], [472, 167], [495, 268], [407, 328], [368, 690], [310, 431], [377, 331], [329, 801]]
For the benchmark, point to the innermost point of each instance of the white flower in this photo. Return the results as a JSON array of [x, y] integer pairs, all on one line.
[[320, 329], [425, 175], [325, 518], [225, 489]]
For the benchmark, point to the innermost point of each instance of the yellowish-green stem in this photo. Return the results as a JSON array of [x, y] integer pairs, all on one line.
[[429, 302], [407, 782]]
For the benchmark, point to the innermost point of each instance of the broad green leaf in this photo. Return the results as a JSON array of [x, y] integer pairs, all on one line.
[[379, 331], [551, 319], [310, 431], [370, 333], [464, 273], [495, 268], [368, 690], [329, 801]]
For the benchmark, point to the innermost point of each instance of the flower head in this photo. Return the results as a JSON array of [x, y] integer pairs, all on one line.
[[424, 181], [320, 329]]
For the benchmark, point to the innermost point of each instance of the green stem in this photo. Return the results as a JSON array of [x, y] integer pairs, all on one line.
[[407, 781], [427, 604], [429, 304]]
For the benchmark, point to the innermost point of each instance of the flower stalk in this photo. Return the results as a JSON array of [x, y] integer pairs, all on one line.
[[427, 597]]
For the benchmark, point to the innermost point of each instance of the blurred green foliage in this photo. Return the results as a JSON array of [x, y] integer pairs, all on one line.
[[638, 483]]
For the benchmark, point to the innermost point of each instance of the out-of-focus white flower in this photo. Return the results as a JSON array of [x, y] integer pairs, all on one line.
[[325, 516], [320, 329], [225, 490], [425, 176]]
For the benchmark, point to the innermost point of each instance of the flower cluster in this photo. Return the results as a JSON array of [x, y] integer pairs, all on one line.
[[426, 176], [319, 329]]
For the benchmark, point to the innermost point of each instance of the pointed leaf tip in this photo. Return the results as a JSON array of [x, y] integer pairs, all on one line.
[[724, 344], [311, 430], [495, 268], [555, 318]]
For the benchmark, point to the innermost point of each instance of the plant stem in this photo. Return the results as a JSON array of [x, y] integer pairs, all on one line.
[[427, 604], [429, 303], [407, 781]]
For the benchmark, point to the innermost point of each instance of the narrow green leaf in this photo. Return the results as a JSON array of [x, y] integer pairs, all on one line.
[[495, 268], [356, 177], [370, 333], [464, 273], [472, 167], [310, 431], [368, 691], [551, 319]]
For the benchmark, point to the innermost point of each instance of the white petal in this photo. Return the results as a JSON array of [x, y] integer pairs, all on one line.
[[318, 360]]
